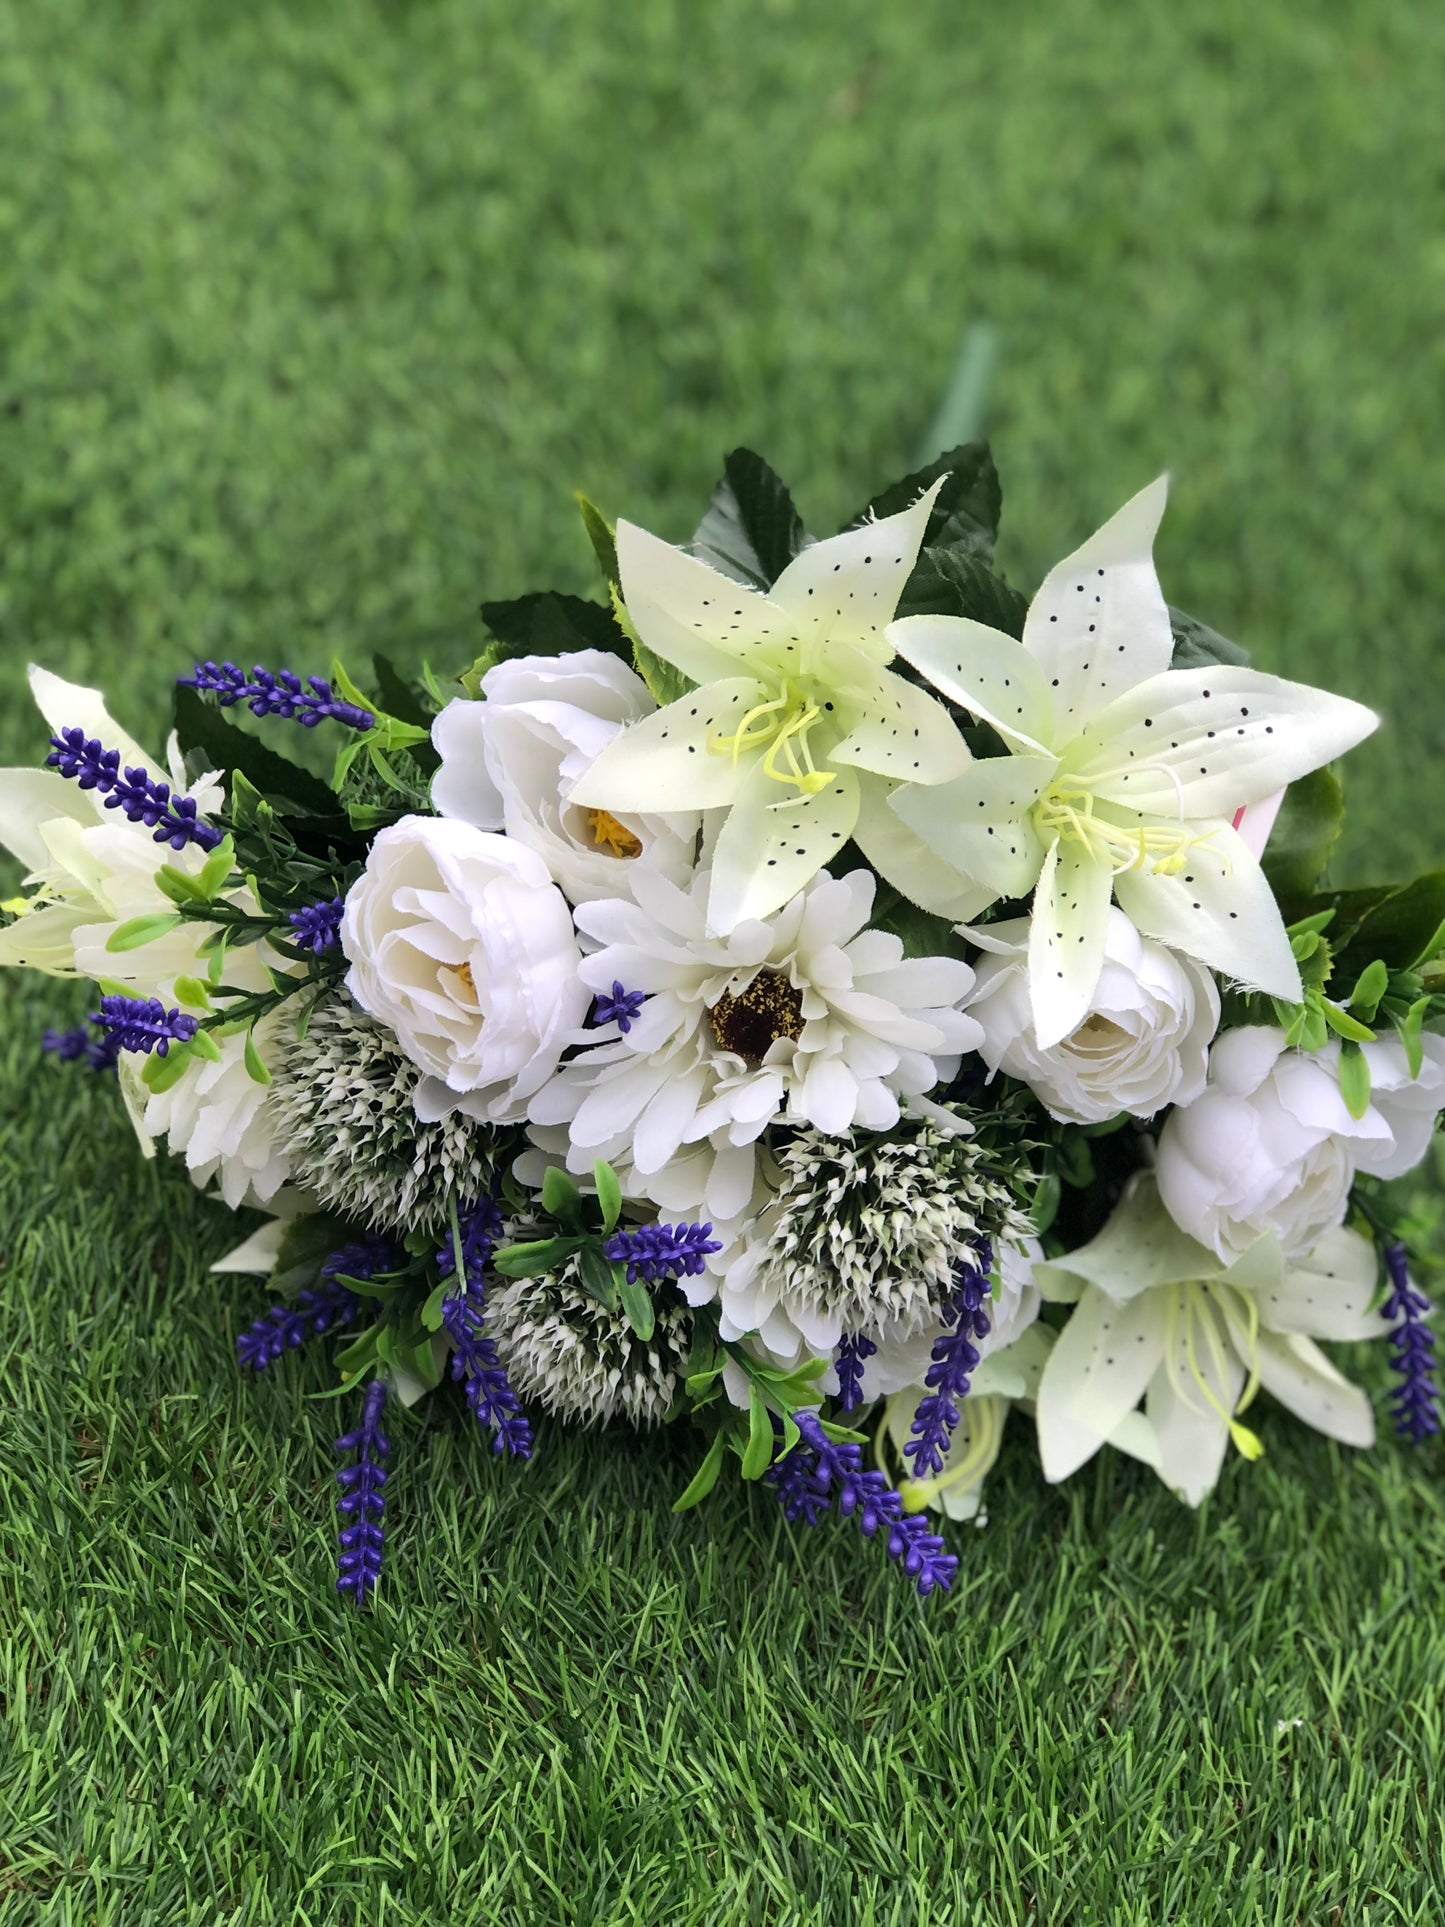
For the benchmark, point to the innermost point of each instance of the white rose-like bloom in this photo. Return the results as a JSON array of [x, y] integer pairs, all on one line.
[[462, 945], [809, 1018], [1270, 1147], [219, 1118], [510, 760], [1144, 1042]]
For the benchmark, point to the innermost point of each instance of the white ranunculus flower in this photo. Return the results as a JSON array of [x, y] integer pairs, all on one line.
[[1270, 1147], [509, 763], [460, 942], [219, 1118], [1144, 1042]]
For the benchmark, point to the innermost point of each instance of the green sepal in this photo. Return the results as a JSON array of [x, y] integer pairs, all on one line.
[[1344, 1025], [192, 991], [1370, 986], [527, 1260], [1411, 1033], [705, 1477], [637, 1306], [758, 1454], [609, 1194], [139, 931], [255, 1064], [1354, 1079]]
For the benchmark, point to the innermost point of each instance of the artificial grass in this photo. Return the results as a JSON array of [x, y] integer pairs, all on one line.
[[312, 318]]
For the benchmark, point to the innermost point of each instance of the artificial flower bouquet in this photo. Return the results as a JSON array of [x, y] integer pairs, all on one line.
[[809, 993]]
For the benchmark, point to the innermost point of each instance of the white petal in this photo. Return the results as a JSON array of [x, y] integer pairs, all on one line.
[[1192, 1433], [1219, 910], [1098, 623], [1066, 939], [987, 672], [905, 735], [30, 797], [1296, 1372], [979, 822], [666, 761], [847, 587], [691, 615], [70, 705], [1255, 821], [773, 843], [1096, 1372], [463, 786], [902, 858], [1139, 1250], [1329, 1293], [1200, 742]]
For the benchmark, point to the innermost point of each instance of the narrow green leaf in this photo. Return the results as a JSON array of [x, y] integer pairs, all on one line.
[[560, 1197], [431, 1311], [142, 930], [637, 1306], [596, 1274], [1344, 1025], [1354, 1079], [178, 886], [342, 681], [203, 1044], [1411, 1028], [603, 537], [217, 868], [1370, 986], [255, 1064], [705, 1478], [609, 1194], [191, 990], [537, 1255], [164, 1073], [759, 1453]]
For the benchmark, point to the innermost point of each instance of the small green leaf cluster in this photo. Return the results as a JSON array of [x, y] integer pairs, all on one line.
[[584, 1222]]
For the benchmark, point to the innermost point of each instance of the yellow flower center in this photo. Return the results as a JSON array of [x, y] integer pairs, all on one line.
[[1065, 812], [464, 971], [610, 835], [753, 1021], [783, 726]]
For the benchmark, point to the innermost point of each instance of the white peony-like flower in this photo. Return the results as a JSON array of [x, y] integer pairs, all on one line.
[[509, 763], [808, 1018], [1157, 1316], [460, 942], [1270, 1147], [1144, 1042]]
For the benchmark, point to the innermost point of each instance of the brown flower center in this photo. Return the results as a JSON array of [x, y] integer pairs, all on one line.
[[753, 1021], [610, 835]]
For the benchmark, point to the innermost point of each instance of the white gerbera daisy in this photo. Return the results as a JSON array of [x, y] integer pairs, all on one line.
[[809, 1018]]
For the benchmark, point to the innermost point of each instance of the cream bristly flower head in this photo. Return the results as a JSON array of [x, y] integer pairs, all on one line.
[[797, 727], [1124, 776]]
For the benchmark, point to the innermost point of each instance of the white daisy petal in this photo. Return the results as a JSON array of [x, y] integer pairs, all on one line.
[[1099, 623], [1218, 909]]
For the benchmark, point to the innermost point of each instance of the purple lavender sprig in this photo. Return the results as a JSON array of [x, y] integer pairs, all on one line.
[[278, 692], [73, 1046], [144, 1024], [489, 1390], [848, 1362], [618, 1007], [317, 927], [955, 1359], [1415, 1401], [284, 1327], [816, 1471], [654, 1251], [360, 1544], [480, 1229], [141, 796]]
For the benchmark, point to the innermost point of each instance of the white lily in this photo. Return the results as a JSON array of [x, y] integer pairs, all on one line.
[[797, 727], [1124, 777], [1158, 1316]]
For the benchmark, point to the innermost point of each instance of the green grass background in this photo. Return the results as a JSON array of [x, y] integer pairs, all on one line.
[[310, 318]]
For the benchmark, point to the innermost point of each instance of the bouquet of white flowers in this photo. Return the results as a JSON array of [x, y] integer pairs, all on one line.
[[811, 994]]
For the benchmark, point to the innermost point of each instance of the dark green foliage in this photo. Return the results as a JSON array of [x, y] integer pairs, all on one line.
[[1304, 835], [751, 529], [1196, 645], [204, 728], [550, 624], [965, 514]]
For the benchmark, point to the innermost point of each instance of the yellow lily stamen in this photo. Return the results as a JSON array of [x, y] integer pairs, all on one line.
[[1067, 813], [782, 725], [1249, 1445]]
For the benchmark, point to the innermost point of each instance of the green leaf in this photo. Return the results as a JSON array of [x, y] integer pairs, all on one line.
[[637, 1306], [191, 991], [1197, 646], [552, 624], [1404, 930], [609, 1194], [536, 1255], [603, 537], [1370, 987], [965, 514], [342, 681], [950, 582], [560, 1198], [431, 1311], [142, 930], [597, 1274], [1344, 1025], [178, 886], [1354, 1079], [225, 747], [255, 1064], [751, 530], [759, 1453], [398, 695], [705, 1478], [1047, 1198], [1304, 835], [665, 681], [922, 934], [1411, 1028], [217, 868], [163, 1073], [203, 1044], [361, 1354]]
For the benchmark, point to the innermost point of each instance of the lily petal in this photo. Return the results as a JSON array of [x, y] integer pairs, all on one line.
[[30, 797], [987, 672], [1139, 1249], [848, 586], [1066, 939], [1099, 623], [1219, 910], [1298, 1374], [774, 842], [1328, 1294], [691, 615], [904, 735], [979, 823], [902, 857], [1201, 742], [1096, 1372], [70, 705], [1192, 1432], [664, 762]]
